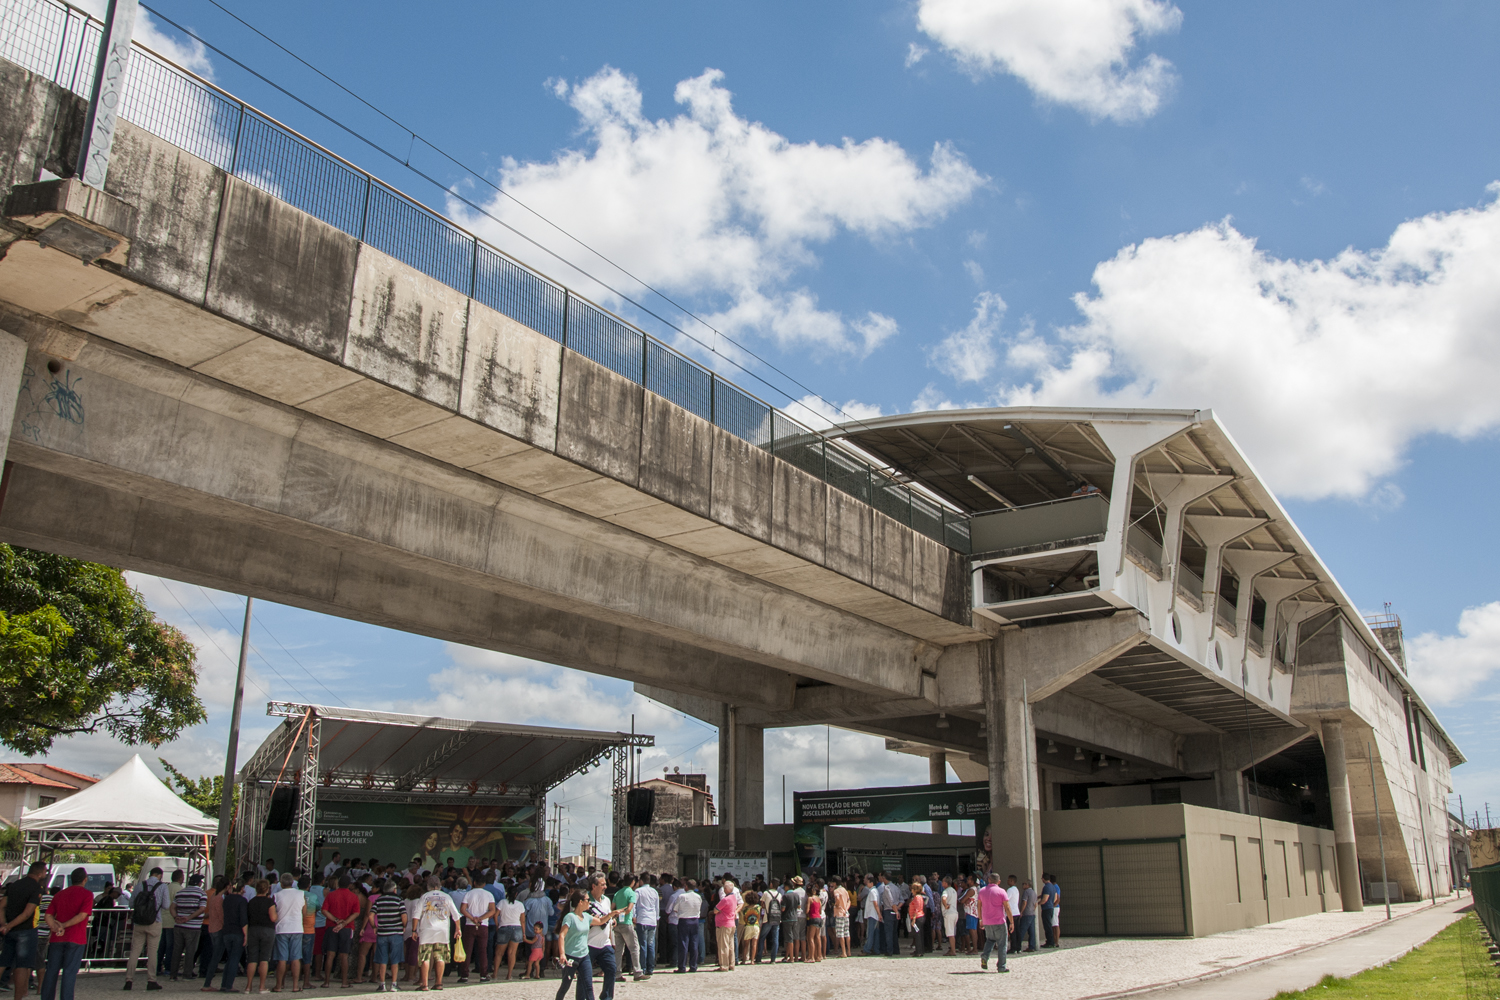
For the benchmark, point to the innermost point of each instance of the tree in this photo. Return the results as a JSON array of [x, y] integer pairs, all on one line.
[[203, 794], [81, 653]]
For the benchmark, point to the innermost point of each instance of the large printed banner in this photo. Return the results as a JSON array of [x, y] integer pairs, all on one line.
[[901, 804], [814, 811], [436, 834]]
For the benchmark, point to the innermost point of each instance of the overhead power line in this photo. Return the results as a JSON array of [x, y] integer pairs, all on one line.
[[451, 193]]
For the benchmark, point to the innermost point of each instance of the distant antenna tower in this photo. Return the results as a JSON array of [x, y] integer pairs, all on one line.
[[1387, 628]]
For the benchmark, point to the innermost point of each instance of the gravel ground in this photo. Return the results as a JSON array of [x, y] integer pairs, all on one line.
[[1083, 967]]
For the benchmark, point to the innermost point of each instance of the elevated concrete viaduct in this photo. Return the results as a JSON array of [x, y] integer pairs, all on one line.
[[213, 385]]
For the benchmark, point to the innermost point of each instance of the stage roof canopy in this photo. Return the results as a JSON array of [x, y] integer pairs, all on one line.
[[385, 755]]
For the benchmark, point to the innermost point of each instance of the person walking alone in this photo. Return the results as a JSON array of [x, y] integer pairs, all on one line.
[[995, 918]]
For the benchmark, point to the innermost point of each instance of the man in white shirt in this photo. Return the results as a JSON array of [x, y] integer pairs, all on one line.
[[435, 916], [687, 907], [290, 902], [647, 913], [1013, 894], [478, 908]]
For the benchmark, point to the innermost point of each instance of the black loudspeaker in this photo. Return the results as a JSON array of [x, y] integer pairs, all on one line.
[[639, 804], [283, 808]]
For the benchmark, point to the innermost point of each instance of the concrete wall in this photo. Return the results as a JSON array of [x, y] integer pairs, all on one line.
[[224, 279], [1339, 677]]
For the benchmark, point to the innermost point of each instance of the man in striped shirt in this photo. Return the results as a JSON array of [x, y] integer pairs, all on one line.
[[390, 915]]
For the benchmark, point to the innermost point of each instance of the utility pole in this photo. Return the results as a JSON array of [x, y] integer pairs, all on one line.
[[1385, 882], [108, 92], [226, 798]]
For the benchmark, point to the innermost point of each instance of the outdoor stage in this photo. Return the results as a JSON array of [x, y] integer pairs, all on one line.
[[397, 786]]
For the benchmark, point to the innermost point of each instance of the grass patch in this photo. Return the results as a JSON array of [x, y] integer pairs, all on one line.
[[1455, 965]]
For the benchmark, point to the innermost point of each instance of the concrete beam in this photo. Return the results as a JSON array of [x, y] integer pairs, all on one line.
[[1047, 659], [320, 571], [182, 440], [1083, 722]]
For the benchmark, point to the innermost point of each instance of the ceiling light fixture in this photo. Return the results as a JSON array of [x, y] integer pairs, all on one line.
[[942, 722], [1051, 747]]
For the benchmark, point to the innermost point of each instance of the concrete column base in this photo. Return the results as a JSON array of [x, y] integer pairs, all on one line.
[[1351, 893]]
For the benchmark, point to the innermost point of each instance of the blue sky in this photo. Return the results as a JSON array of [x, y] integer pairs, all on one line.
[[1283, 212]]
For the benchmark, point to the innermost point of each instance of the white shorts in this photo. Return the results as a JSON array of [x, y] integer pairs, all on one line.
[[1056, 916]]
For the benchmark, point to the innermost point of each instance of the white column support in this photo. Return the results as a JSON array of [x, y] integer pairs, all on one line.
[[1127, 442]]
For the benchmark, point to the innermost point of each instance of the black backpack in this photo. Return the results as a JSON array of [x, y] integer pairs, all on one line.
[[143, 908]]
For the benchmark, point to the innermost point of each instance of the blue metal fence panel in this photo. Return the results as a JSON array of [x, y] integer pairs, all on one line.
[[530, 300], [674, 377], [301, 176], [419, 239], [741, 414], [600, 337]]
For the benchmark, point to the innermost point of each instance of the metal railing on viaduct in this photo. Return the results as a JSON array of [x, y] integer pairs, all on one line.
[[60, 42]]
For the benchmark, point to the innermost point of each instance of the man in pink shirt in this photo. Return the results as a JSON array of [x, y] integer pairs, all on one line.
[[726, 912], [994, 917]]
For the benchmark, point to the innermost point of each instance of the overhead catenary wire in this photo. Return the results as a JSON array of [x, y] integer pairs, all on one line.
[[194, 619], [450, 192], [311, 676]]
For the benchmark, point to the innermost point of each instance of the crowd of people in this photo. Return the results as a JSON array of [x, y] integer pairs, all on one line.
[[372, 923]]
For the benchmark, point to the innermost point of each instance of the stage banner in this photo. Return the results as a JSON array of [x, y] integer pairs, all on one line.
[[900, 804], [433, 833]]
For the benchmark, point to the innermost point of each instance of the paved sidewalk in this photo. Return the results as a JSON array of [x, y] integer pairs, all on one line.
[[1084, 968], [1366, 949]]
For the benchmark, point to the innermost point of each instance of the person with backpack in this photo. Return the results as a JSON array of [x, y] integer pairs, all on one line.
[[149, 901], [770, 928]]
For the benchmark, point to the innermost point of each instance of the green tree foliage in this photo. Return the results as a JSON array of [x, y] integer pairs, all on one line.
[[81, 653], [203, 794]]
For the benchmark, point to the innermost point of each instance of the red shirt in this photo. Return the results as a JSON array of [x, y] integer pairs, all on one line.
[[340, 905], [66, 905]]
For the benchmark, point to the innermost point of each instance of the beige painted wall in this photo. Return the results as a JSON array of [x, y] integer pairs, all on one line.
[[1222, 872]]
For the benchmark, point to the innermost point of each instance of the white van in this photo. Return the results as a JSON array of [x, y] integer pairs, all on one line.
[[168, 866], [100, 876]]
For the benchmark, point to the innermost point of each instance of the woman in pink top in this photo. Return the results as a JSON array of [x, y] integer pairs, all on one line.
[[726, 910]]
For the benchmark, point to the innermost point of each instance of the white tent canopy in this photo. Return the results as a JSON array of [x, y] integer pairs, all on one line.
[[131, 800]]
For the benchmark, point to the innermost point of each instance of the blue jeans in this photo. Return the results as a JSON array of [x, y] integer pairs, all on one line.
[[687, 945], [1026, 930], [206, 954], [604, 958], [63, 957], [646, 935], [770, 942], [872, 936], [888, 940], [584, 970], [994, 937], [227, 945], [164, 951]]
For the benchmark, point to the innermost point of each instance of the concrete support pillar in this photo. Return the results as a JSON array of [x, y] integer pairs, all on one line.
[[1229, 789], [1015, 814], [937, 774], [742, 777], [750, 777], [12, 370], [1343, 815]]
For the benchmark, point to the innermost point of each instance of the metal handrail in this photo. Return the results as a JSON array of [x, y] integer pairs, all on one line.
[[53, 37]]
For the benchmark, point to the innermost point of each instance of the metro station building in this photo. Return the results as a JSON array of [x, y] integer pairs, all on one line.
[[1179, 710]]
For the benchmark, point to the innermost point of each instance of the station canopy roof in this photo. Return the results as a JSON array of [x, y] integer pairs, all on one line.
[[386, 754]]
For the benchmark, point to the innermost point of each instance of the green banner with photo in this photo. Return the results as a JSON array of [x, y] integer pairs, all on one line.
[[399, 832], [898, 804]]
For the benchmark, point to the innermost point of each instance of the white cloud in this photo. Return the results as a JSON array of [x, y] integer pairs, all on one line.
[[185, 52], [1447, 668], [818, 413], [1071, 52], [974, 271], [914, 54], [817, 757], [1325, 370], [712, 205], [970, 354]]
